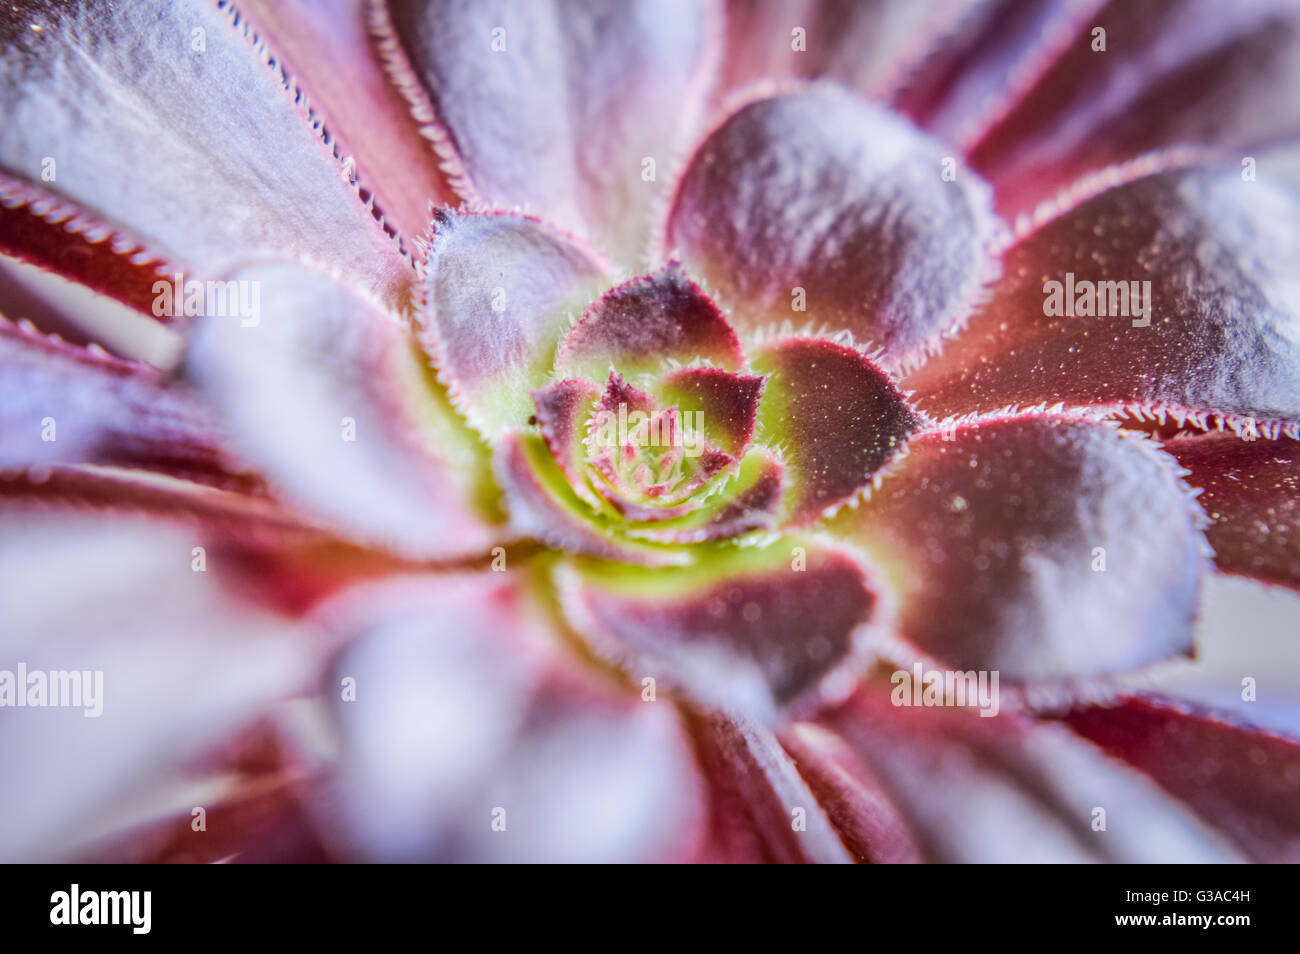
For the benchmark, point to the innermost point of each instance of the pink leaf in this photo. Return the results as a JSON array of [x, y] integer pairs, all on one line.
[[326, 48], [183, 660], [979, 71], [869, 45], [727, 404], [65, 404], [477, 735], [760, 810]]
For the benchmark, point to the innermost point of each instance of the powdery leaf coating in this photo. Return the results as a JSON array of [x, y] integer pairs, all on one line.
[[63, 404], [836, 416], [157, 136], [499, 292], [1251, 493], [518, 87], [756, 631], [1244, 781], [1173, 73], [991, 789], [817, 191], [470, 711], [1224, 323], [325, 395], [645, 322], [991, 541]]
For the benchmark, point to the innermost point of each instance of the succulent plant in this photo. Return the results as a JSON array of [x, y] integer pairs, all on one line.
[[643, 431]]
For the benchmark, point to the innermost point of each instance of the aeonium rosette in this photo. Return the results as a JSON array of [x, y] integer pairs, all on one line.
[[629, 424], [659, 423]]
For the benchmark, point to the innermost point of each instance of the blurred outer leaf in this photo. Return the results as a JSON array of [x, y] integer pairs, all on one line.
[[192, 143]]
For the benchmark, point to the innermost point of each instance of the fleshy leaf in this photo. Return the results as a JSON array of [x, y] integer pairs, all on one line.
[[642, 324], [1244, 781], [325, 393], [1250, 490], [871, 826], [618, 393], [120, 115], [1220, 333], [475, 735], [499, 291], [747, 629], [563, 409], [161, 700], [253, 821], [1172, 73], [556, 106], [726, 404], [869, 45], [36, 228], [232, 514], [813, 206], [995, 789], [980, 70], [838, 418], [1013, 545], [65, 404], [326, 49], [279, 559], [754, 791]]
